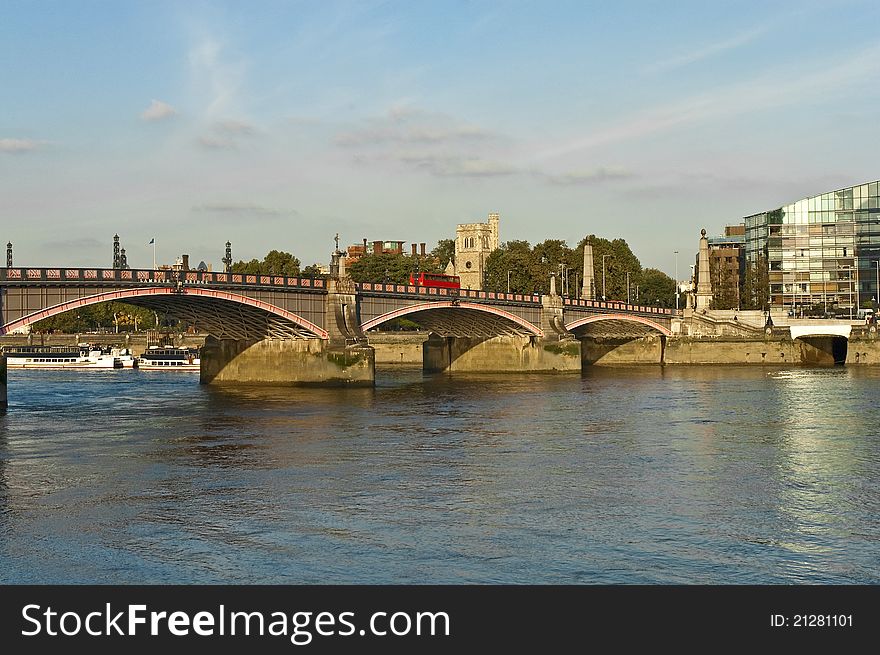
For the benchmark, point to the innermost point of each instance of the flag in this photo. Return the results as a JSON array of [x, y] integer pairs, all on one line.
[[152, 241]]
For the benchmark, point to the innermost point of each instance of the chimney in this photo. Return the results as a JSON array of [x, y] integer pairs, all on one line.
[[185, 262], [422, 245], [413, 250], [377, 247]]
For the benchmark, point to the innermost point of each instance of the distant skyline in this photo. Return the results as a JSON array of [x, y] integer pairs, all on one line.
[[275, 125]]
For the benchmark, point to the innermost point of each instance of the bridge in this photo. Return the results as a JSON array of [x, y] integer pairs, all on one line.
[[281, 329]]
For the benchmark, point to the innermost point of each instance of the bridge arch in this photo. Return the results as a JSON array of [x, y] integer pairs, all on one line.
[[450, 318], [645, 325], [223, 313]]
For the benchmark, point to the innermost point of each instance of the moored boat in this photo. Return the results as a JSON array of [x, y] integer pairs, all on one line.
[[58, 357], [169, 359]]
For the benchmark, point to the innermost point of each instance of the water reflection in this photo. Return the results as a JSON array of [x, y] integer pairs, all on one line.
[[620, 475]]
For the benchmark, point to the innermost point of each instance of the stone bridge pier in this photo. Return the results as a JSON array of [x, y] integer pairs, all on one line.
[[341, 358], [520, 347]]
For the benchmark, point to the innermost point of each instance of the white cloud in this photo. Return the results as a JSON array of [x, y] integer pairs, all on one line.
[[688, 58], [19, 146], [243, 209], [595, 176], [782, 89], [240, 128], [158, 111], [411, 125], [216, 143], [458, 166]]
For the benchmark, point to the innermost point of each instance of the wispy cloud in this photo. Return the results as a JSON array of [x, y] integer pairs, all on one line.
[[409, 125], [215, 76], [19, 146], [784, 88], [595, 176], [158, 111], [699, 54], [428, 142], [244, 210], [236, 127], [456, 166]]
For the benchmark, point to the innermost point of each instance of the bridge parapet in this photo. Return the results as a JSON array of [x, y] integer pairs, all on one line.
[[146, 277], [380, 288]]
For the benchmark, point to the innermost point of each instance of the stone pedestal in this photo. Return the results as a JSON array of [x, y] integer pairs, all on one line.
[[286, 362]]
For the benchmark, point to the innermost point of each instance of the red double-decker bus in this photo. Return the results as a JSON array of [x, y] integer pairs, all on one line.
[[435, 280]]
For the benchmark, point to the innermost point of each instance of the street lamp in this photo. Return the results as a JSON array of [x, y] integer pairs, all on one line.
[[676, 280], [627, 287], [508, 281], [877, 292], [604, 296]]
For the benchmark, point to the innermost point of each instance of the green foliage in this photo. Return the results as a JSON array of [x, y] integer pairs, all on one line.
[[275, 262], [312, 270], [724, 285], [390, 268], [530, 268], [444, 252], [513, 256], [656, 288], [106, 315], [756, 286]]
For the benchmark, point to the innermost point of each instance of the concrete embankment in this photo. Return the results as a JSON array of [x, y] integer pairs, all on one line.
[[775, 350]]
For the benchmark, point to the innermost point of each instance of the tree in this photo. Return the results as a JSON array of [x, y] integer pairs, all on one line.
[[312, 270], [514, 257], [655, 287], [444, 252], [756, 286], [102, 315], [724, 285], [275, 262], [618, 261], [384, 267]]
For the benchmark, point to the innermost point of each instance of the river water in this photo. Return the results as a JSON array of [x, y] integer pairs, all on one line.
[[633, 475]]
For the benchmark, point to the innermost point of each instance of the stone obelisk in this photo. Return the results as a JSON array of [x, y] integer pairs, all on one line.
[[588, 290], [704, 284]]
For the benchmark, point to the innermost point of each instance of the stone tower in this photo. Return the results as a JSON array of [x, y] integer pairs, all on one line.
[[474, 242], [588, 290], [704, 284]]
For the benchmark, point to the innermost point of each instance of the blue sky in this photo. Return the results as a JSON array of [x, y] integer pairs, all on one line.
[[279, 124]]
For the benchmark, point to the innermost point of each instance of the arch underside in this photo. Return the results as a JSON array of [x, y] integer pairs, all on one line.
[[629, 327], [224, 319], [463, 320], [221, 314]]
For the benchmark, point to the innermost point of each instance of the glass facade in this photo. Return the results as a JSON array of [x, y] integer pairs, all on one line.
[[820, 250]]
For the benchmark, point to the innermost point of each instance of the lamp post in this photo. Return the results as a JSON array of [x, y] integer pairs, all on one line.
[[508, 281], [676, 280], [877, 292], [604, 296], [627, 287]]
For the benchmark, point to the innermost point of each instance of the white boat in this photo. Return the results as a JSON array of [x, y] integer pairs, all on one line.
[[58, 357], [169, 359], [100, 359], [124, 355]]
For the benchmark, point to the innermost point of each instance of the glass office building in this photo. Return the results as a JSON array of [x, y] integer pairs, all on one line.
[[820, 250]]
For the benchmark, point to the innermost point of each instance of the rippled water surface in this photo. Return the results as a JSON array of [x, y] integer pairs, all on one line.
[[637, 475]]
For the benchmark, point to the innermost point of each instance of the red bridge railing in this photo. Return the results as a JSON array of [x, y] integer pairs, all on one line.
[[150, 277]]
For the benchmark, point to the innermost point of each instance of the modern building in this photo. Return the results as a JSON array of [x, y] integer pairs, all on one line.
[[823, 249], [727, 267], [474, 242]]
